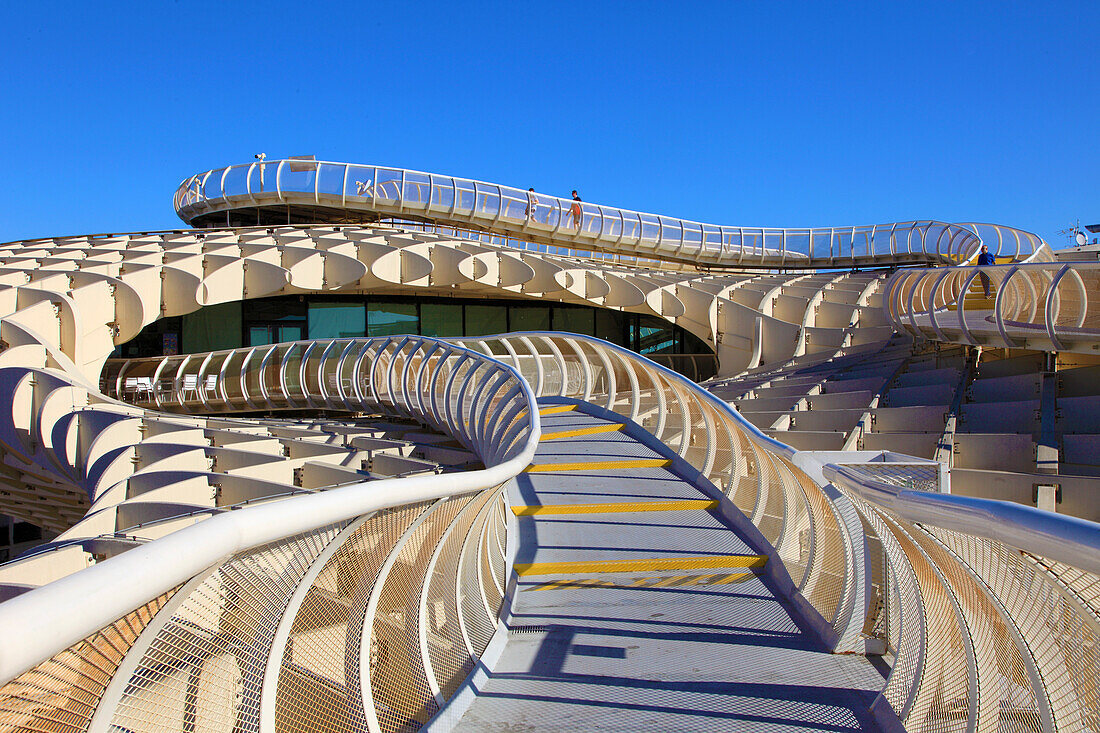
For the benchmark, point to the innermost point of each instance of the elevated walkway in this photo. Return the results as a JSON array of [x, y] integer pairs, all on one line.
[[300, 191], [640, 605]]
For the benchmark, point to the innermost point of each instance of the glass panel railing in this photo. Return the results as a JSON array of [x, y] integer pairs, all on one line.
[[560, 222]]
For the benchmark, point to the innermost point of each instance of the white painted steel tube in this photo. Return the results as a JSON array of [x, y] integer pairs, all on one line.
[[1060, 537], [46, 620], [963, 240]]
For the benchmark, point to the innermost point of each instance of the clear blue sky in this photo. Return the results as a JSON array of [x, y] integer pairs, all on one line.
[[744, 113]]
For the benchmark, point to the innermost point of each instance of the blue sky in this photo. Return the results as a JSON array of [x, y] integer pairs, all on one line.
[[742, 113]]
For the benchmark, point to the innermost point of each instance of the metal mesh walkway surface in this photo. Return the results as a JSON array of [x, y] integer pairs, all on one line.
[[638, 607]]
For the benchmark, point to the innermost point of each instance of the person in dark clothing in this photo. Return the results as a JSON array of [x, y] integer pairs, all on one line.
[[984, 259], [575, 210]]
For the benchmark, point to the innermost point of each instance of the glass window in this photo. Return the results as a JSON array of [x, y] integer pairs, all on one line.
[[654, 336], [212, 328], [259, 335], [391, 319], [695, 345], [575, 320], [290, 333], [525, 318], [275, 309], [441, 319], [329, 320], [486, 320], [26, 532], [611, 326]]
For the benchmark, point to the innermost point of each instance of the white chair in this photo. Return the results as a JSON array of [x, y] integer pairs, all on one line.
[[190, 384]]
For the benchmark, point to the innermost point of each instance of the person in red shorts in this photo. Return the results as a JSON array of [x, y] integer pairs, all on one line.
[[575, 210]]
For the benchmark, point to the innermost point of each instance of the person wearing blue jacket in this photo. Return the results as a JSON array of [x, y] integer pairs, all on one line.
[[984, 259]]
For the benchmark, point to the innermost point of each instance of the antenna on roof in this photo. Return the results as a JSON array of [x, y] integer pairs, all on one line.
[[1074, 233]]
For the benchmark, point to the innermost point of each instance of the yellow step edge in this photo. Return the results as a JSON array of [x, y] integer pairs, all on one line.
[[556, 409], [612, 428], [627, 506], [641, 565], [597, 465], [670, 581]]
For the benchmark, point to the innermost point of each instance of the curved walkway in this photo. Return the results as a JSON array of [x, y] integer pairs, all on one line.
[[311, 191], [640, 605]]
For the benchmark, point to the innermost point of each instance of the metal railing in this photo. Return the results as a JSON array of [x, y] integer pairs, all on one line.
[[982, 635], [982, 605], [1036, 305], [376, 191], [755, 471], [485, 404]]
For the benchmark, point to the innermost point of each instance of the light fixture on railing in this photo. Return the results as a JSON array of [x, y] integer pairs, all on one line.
[[261, 157]]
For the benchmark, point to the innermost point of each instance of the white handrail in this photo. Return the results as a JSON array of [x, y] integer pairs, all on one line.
[[1027, 309], [1067, 539], [401, 192], [46, 620]]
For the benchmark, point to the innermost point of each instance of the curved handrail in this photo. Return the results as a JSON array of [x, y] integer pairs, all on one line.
[[1045, 305], [1067, 539], [378, 191], [970, 575], [41, 622], [753, 469]]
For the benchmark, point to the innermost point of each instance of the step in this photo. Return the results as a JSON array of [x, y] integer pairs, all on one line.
[[944, 375], [1082, 449], [997, 452], [916, 419], [918, 395], [616, 507], [870, 384], [841, 400], [921, 445], [827, 420], [999, 417], [594, 466], [1078, 414], [809, 440], [1001, 389], [1079, 382]]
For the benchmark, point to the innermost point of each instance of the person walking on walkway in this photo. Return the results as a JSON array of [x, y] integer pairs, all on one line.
[[575, 210], [985, 259], [532, 204]]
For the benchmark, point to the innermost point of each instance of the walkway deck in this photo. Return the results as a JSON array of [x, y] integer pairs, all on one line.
[[648, 615]]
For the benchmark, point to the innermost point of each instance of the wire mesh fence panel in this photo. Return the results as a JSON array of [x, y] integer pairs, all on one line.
[[944, 699], [62, 693], [319, 684], [401, 697], [1005, 693], [475, 593], [204, 669], [825, 583], [1060, 638], [449, 658]]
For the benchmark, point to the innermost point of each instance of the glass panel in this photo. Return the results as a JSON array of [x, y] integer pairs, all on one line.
[[441, 319], [391, 319], [611, 326], [290, 333], [213, 327], [525, 318], [275, 309], [654, 336], [483, 320], [575, 320], [259, 336], [695, 345], [337, 320]]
